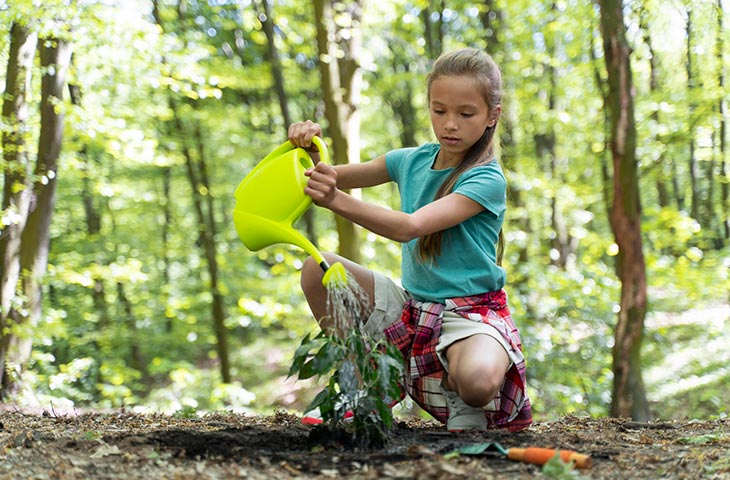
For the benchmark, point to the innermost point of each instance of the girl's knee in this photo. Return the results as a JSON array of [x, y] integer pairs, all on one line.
[[481, 392], [479, 386], [311, 277]]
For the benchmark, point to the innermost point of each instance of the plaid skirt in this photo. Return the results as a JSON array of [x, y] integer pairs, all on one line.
[[416, 335]]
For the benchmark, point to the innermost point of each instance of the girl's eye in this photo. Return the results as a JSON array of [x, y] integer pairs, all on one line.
[[438, 112], [467, 115]]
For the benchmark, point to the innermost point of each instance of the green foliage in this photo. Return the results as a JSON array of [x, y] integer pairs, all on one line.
[[557, 469], [122, 147], [364, 378]]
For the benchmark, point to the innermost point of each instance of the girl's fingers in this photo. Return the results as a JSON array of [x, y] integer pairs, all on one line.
[[322, 183], [301, 133]]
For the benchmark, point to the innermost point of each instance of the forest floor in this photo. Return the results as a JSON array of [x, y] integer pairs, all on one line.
[[122, 445]]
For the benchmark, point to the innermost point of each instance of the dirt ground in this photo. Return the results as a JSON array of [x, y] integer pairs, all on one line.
[[124, 445]]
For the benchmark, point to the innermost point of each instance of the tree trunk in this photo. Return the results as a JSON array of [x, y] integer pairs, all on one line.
[[204, 211], [694, 173], [93, 218], [165, 274], [211, 249], [663, 195], [202, 203], [55, 59], [401, 97], [433, 34], [272, 55], [562, 245], [137, 360], [339, 57], [17, 191], [492, 20], [723, 108], [629, 395]]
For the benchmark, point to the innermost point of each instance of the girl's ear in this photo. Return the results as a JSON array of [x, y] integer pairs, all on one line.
[[495, 115]]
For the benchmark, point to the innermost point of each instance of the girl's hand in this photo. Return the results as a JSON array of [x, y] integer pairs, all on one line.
[[301, 134], [322, 184]]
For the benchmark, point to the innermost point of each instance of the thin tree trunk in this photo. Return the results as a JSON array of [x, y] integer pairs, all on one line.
[[492, 20], [545, 143], [433, 36], [135, 351], [629, 395], [55, 57], [93, 218], [272, 55], [218, 305], [16, 192], [206, 236], [663, 194], [165, 274], [204, 212], [723, 108], [693, 166], [341, 85], [606, 180], [401, 97]]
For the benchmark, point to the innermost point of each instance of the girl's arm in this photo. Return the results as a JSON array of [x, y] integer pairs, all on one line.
[[399, 226], [362, 175]]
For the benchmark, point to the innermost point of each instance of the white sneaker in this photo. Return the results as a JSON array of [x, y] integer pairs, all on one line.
[[463, 417]]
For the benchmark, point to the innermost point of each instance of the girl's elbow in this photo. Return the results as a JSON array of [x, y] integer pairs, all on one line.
[[402, 238], [408, 232]]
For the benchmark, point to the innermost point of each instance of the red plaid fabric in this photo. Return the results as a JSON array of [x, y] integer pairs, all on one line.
[[416, 335]]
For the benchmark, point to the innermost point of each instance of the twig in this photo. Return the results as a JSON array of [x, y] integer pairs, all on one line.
[[648, 425]]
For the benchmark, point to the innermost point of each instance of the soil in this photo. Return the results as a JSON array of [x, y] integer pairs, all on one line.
[[227, 445]]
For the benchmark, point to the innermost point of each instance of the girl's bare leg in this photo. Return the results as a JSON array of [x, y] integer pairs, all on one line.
[[316, 293]]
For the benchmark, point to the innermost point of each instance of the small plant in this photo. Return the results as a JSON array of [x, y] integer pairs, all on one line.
[[557, 469], [187, 411], [364, 379]]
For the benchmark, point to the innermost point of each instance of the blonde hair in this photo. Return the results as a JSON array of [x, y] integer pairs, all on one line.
[[480, 66]]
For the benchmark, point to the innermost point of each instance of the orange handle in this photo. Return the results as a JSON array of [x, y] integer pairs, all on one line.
[[540, 456]]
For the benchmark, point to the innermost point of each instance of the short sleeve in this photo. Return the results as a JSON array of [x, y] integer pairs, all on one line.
[[394, 162], [485, 185]]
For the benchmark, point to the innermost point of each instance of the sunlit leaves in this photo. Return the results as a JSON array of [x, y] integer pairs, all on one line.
[[120, 145]]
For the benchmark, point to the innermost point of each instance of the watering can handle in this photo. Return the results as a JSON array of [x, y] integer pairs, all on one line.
[[288, 146], [323, 154]]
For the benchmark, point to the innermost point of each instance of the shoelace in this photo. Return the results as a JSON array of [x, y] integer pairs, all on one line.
[[457, 406]]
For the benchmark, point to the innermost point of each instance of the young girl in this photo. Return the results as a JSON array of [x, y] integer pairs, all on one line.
[[450, 318]]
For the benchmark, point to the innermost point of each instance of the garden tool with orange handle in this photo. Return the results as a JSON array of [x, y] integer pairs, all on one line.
[[533, 455]]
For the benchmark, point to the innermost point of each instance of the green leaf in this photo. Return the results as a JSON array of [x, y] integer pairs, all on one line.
[[347, 378], [480, 448], [701, 439]]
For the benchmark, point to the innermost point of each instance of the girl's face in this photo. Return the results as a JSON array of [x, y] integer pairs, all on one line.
[[459, 115]]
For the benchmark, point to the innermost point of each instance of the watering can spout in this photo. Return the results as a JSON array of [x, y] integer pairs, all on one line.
[[271, 198], [257, 232]]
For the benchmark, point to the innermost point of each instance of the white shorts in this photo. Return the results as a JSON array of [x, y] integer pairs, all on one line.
[[389, 300]]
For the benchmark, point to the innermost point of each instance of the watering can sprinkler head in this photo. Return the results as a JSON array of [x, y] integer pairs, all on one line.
[[271, 198], [335, 275]]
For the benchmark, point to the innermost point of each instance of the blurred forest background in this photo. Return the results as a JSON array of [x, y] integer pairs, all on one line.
[[127, 125]]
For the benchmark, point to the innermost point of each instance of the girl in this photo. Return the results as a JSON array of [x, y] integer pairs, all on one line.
[[450, 318]]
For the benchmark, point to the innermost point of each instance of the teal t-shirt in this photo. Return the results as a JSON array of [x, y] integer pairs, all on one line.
[[467, 264]]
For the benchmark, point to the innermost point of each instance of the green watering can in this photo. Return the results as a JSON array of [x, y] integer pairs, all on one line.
[[271, 198]]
